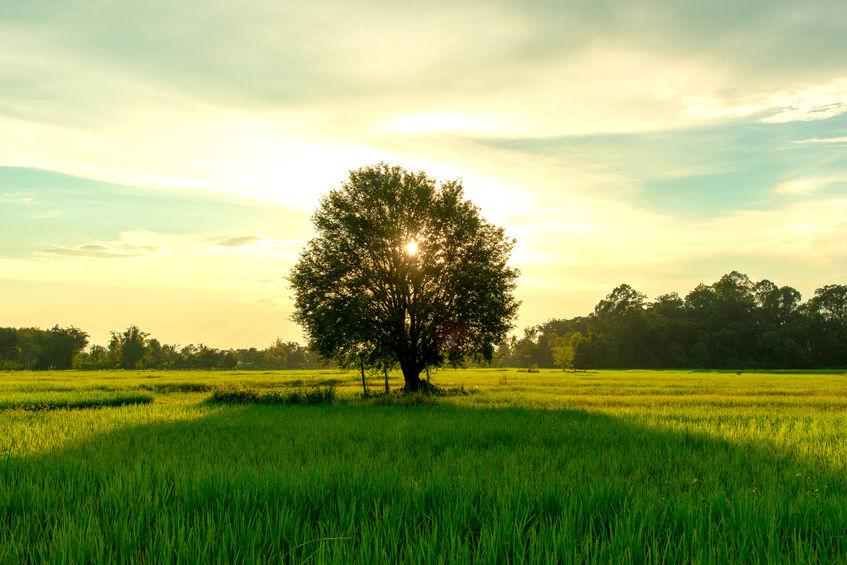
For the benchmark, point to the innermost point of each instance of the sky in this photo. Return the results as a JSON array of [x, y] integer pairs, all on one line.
[[160, 161]]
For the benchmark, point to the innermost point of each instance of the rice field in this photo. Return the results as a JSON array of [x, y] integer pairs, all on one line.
[[606, 466]]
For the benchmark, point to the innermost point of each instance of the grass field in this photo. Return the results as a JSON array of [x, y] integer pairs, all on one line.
[[608, 466]]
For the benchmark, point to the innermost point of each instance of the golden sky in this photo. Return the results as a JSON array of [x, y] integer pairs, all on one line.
[[159, 161]]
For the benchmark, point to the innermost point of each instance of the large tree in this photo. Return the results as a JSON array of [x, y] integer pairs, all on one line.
[[405, 268]]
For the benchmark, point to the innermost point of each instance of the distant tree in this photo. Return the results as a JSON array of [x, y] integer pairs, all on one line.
[[564, 350], [61, 346], [207, 357], [504, 353], [129, 347], [620, 301], [37, 349], [526, 349], [30, 347], [9, 348], [187, 357], [830, 303], [620, 338], [154, 357], [732, 323], [670, 331], [97, 358], [827, 319], [406, 268], [230, 360]]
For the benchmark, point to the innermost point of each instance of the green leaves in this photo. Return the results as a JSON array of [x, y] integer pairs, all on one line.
[[358, 288]]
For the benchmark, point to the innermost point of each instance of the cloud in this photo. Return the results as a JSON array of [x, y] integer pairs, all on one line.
[[808, 185], [20, 199], [824, 140], [802, 186], [809, 103], [99, 249], [269, 112], [258, 245], [239, 240], [145, 243]]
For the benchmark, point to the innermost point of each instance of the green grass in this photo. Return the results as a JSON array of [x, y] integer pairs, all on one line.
[[611, 466], [70, 400]]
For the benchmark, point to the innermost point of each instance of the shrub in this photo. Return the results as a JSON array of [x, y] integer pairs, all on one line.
[[314, 395], [78, 402], [176, 387]]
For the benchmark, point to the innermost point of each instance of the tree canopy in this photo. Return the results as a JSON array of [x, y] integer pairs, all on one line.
[[733, 323], [34, 348], [403, 269]]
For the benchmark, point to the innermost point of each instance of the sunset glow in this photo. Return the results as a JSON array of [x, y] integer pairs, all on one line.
[[168, 172], [412, 248]]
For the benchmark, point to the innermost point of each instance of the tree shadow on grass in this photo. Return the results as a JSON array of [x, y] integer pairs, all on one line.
[[419, 484]]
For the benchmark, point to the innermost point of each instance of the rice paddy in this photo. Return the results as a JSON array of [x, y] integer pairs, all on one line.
[[607, 466]]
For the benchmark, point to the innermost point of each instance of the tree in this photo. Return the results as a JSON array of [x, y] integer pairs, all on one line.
[[31, 348], [621, 300], [621, 337], [129, 347], [9, 348], [526, 349], [830, 302], [97, 358], [827, 311], [61, 346], [564, 349], [404, 268]]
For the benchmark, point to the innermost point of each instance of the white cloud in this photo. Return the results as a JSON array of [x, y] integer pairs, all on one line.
[[824, 140], [20, 199], [807, 185], [802, 186], [97, 249], [800, 104], [240, 240]]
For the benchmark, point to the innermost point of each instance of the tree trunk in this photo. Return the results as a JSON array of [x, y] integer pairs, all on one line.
[[364, 385], [412, 376], [385, 372]]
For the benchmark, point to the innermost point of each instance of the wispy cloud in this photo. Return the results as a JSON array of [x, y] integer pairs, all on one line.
[[258, 245], [149, 243], [811, 103], [20, 199], [804, 186], [824, 140], [239, 241], [99, 249]]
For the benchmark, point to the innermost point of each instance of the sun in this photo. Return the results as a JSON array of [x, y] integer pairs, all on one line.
[[412, 247]]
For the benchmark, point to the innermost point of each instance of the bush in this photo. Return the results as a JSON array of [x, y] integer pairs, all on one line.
[[434, 390], [427, 396], [176, 387], [75, 401], [315, 395]]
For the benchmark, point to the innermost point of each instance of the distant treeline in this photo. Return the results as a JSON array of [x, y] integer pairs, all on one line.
[[733, 323], [64, 348]]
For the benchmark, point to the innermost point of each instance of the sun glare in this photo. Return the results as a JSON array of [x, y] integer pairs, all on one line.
[[412, 248]]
